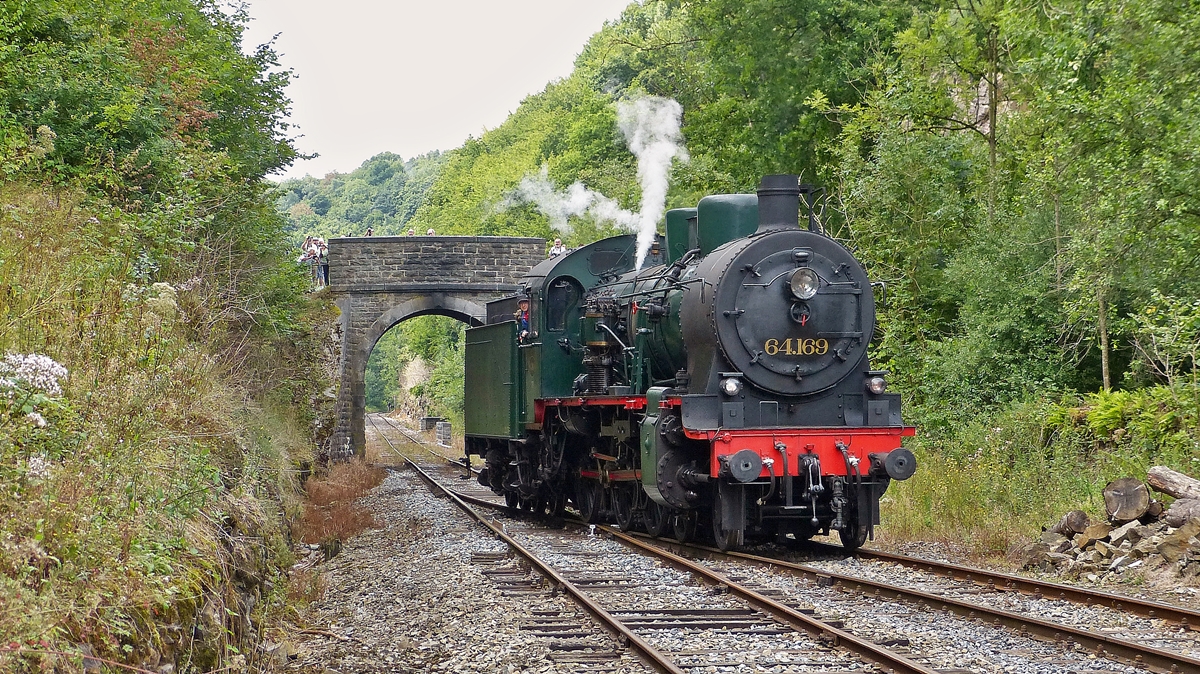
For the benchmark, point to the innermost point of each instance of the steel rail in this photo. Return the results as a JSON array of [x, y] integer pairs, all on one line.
[[422, 444], [1130, 652], [623, 634], [1185, 617], [886, 659]]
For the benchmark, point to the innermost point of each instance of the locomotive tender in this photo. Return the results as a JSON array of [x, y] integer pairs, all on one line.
[[726, 383]]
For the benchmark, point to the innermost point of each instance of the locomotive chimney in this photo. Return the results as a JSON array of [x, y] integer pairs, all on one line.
[[779, 203]]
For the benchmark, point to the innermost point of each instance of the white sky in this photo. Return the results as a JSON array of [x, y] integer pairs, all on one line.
[[410, 76]]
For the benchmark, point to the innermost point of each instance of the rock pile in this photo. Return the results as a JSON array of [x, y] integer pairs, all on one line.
[[1139, 534], [1102, 548]]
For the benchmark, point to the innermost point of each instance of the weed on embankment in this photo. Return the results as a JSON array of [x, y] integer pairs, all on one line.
[[331, 513]]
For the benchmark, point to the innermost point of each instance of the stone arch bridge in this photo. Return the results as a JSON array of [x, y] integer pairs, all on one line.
[[379, 281]]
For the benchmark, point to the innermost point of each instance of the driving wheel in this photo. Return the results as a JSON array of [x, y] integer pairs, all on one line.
[[684, 525], [656, 518], [623, 498], [589, 499]]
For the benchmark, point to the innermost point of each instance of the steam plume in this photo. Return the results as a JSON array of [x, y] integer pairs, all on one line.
[[650, 125], [577, 200], [651, 128]]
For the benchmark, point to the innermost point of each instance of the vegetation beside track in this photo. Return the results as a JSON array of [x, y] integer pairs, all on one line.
[[163, 385]]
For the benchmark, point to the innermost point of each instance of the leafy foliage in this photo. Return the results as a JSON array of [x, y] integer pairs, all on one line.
[[141, 252], [383, 194]]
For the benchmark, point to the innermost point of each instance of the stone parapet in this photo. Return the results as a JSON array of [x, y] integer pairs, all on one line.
[[391, 260]]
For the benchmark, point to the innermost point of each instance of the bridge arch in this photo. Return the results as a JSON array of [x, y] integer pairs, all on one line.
[[382, 280], [470, 312]]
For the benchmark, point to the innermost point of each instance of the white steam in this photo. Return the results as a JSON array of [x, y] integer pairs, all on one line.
[[576, 200], [651, 128]]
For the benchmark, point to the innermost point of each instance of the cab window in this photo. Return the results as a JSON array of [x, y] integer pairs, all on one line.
[[561, 299]]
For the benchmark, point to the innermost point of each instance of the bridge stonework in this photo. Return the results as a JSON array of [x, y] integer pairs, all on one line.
[[379, 281]]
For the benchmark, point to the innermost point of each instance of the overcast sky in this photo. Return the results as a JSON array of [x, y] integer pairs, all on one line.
[[411, 76]]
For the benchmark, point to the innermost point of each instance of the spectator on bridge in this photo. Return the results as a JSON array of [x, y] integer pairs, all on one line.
[[412, 232], [323, 259], [522, 316], [429, 232], [370, 231], [558, 248], [309, 257]]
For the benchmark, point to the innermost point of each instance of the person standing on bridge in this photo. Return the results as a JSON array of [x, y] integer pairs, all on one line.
[[370, 231], [323, 252], [557, 249], [310, 258], [429, 232]]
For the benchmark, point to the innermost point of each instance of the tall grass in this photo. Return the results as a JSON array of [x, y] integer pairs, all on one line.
[[991, 484], [146, 520]]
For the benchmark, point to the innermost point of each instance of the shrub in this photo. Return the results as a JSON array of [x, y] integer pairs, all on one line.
[[331, 515]]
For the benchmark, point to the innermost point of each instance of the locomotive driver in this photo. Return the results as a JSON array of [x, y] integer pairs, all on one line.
[[522, 316]]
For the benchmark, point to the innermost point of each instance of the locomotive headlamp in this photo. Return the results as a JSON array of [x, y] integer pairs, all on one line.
[[731, 386], [804, 283], [877, 385]]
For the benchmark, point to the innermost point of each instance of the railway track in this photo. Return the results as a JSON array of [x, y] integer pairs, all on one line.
[[1142, 642], [955, 594], [657, 612], [410, 436], [1184, 617]]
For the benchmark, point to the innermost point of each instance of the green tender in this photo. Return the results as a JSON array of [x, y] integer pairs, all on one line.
[[492, 381]]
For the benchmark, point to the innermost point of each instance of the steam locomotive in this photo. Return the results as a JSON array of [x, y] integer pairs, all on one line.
[[722, 390]]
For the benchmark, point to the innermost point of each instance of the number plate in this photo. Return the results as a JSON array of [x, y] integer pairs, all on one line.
[[796, 347]]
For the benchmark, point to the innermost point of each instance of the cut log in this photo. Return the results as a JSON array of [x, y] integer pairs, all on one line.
[[1126, 499], [1183, 510], [1072, 523], [1154, 513], [1173, 483]]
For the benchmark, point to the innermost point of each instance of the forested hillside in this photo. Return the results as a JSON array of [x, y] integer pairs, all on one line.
[[153, 416], [382, 194], [1022, 177]]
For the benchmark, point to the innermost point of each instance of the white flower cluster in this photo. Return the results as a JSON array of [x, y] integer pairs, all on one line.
[[38, 372], [36, 419], [162, 303], [43, 141], [39, 467]]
